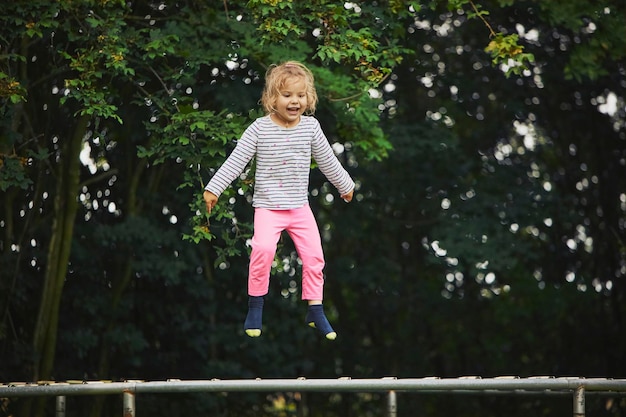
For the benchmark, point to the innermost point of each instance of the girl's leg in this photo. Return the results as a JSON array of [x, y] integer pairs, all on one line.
[[268, 224], [306, 237], [267, 229]]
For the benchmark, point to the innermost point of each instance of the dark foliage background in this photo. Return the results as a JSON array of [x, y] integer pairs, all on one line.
[[486, 237]]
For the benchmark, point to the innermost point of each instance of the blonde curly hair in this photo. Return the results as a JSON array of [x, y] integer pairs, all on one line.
[[275, 79]]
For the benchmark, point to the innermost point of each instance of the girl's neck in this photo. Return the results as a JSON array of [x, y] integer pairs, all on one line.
[[284, 123]]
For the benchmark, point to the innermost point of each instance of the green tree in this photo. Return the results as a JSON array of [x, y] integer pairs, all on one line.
[[119, 78]]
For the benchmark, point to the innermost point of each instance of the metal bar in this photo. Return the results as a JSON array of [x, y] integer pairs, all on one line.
[[392, 405], [128, 400], [517, 385], [60, 406], [579, 402]]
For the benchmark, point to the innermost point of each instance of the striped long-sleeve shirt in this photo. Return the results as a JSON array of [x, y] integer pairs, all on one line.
[[283, 163]]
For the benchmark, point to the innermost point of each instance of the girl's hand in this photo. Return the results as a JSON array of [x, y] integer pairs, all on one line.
[[210, 200], [348, 197]]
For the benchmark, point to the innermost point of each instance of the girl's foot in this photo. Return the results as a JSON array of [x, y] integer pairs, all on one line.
[[316, 318], [254, 319]]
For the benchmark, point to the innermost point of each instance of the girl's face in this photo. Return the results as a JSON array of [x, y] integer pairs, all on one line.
[[291, 103]]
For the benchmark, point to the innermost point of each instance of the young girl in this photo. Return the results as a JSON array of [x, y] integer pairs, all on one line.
[[283, 142]]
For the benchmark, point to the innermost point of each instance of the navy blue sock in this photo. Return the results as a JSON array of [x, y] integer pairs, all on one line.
[[316, 318], [254, 319]]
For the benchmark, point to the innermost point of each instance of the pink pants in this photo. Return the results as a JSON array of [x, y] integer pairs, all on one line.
[[302, 228]]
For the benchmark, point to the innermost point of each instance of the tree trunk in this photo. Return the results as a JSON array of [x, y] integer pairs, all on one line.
[[59, 248]]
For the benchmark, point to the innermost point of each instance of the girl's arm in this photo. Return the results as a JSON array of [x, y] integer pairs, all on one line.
[[330, 165], [235, 164]]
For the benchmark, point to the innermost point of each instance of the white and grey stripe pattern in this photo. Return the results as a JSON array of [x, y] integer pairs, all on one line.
[[283, 163]]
